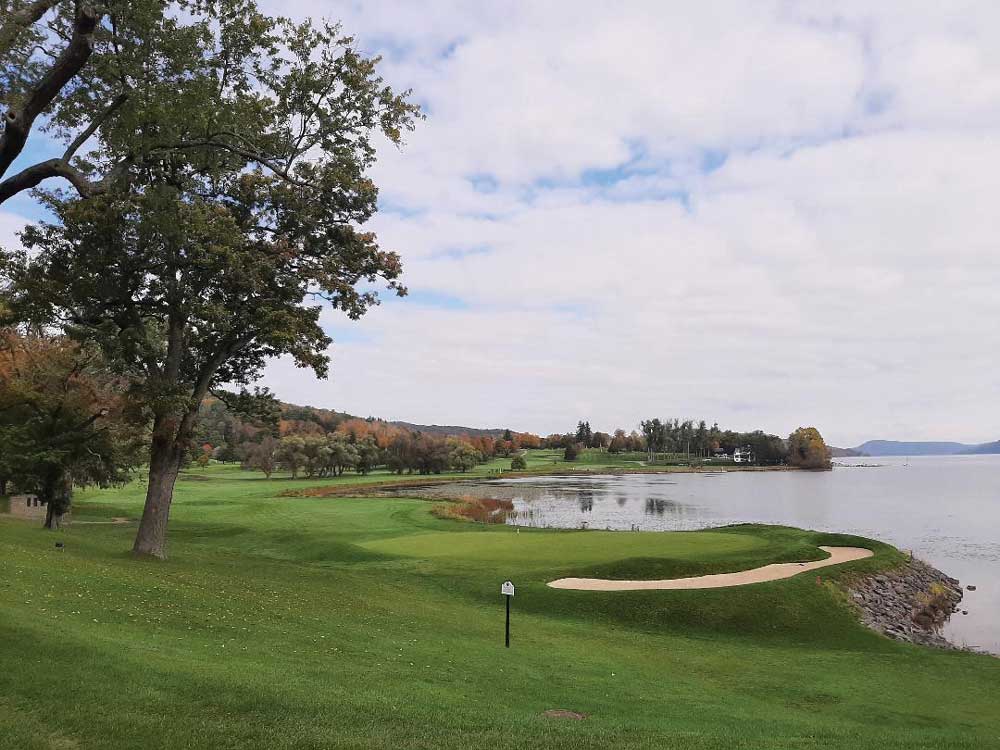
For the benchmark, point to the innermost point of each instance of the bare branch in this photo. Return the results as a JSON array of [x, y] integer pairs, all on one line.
[[30, 177]]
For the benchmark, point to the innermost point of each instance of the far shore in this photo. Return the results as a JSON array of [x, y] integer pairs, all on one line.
[[334, 487]]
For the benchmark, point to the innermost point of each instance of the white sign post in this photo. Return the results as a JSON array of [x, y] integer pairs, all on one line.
[[507, 589]]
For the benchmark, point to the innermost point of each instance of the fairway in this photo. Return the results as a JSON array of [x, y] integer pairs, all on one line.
[[284, 622]]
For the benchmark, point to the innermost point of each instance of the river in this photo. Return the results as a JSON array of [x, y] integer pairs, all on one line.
[[946, 509]]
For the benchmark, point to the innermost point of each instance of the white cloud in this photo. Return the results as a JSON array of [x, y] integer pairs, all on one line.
[[835, 266], [10, 225], [768, 214]]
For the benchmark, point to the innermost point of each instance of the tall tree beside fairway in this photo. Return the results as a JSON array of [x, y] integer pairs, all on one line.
[[243, 145], [185, 295], [807, 450]]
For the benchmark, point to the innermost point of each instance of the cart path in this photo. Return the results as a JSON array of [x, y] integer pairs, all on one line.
[[773, 572]]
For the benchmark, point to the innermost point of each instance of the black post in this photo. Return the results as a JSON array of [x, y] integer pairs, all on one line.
[[507, 636]]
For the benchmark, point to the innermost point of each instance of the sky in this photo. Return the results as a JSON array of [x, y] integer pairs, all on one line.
[[766, 214]]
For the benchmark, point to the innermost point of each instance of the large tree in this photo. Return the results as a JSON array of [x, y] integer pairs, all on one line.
[[238, 166], [125, 86], [185, 295]]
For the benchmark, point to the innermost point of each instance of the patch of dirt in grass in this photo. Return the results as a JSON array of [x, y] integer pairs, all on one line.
[[115, 521], [563, 713], [59, 742]]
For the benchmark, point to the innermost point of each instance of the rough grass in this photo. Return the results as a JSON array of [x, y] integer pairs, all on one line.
[[370, 623]]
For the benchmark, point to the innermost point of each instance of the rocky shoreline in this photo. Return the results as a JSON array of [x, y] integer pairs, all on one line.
[[910, 603]]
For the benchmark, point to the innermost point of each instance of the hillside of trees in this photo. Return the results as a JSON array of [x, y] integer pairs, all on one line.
[[312, 442]]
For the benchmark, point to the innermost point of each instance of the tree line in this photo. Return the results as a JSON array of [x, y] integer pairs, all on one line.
[[307, 441], [803, 448]]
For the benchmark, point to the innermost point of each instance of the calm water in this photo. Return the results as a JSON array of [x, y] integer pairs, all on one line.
[[945, 508]]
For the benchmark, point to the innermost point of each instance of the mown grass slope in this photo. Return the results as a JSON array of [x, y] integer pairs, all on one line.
[[284, 622]]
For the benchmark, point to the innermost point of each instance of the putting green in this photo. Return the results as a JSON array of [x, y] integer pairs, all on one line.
[[564, 548]]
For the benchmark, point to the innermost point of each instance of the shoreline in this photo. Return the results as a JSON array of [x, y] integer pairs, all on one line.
[[409, 482], [909, 603]]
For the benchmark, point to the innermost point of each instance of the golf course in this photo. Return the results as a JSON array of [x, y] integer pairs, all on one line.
[[369, 622]]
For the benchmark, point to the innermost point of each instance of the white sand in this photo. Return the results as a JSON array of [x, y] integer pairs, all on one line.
[[773, 572]]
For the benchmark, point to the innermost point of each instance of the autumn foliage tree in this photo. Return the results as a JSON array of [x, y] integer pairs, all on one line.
[[63, 421], [807, 450]]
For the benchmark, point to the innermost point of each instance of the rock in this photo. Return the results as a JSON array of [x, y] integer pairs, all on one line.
[[900, 603], [970, 587]]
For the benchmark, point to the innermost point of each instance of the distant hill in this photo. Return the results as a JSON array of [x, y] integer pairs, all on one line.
[[921, 448], [437, 429], [983, 448], [330, 418], [845, 452], [215, 422]]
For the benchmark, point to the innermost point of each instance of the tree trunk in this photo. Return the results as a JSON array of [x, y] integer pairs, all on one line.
[[53, 520], [57, 494], [165, 456]]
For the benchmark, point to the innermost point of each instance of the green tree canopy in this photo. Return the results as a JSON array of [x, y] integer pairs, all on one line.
[[126, 87]]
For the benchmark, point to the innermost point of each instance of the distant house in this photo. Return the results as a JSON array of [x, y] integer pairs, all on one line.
[[27, 506], [743, 455]]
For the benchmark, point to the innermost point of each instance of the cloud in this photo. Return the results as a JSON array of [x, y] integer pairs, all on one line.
[[10, 225], [765, 214], [791, 220]]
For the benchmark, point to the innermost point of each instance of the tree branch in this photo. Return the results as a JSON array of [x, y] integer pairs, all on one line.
[[30, 177], [246, 153], [96, 123], [17, 122]]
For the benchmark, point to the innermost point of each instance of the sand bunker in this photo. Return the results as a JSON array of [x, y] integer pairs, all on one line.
[[773, 572]]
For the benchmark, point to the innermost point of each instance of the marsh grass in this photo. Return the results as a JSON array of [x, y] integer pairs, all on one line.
[[475, 509]]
